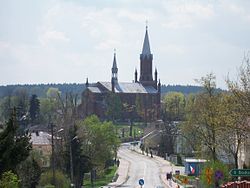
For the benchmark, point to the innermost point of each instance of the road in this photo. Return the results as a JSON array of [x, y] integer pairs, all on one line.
[[141, 167]]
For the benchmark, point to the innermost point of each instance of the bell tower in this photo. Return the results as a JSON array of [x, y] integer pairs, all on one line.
[[146, 59]]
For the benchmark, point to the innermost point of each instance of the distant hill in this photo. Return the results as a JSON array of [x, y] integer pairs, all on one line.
[[180, 88], [41, 89]]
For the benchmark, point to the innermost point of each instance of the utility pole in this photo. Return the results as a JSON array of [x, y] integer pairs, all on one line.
[[53, 154], [71, 161]]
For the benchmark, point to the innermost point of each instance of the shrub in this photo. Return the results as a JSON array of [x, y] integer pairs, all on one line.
[[61, 180], [214, 174], [9, 180]]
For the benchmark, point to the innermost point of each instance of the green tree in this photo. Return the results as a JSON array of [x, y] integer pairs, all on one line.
[[192, 137], [9, 180], [204, 116], [174, 103], [53, 92], [61, 180], [29, 172], [13, 148], [234, 131], [98, 140], [114, 106], [21, 103], [241, 88], [34, 108]]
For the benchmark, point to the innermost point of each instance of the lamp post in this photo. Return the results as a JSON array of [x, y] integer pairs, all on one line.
[[71, 158], [53, 153]]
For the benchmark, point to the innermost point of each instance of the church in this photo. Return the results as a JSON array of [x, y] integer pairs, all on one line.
[[139, 99]]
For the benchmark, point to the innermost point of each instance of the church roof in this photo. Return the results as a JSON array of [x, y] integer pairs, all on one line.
[[122, 87], [146, 46], [95, 89]]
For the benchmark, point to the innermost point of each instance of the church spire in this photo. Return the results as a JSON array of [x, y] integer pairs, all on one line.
[[146, 59], [146, 46], [114, 68]]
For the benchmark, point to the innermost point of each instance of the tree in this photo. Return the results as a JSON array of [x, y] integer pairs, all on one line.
[[187, 129], [34, 108], [61, 180], [21, 103], [204, 115], [98, 140], [114, 106], [236, 111], [13, 148], [174, 103], [234, 132], [29, 171], [241, 88], [9, 180], [53, 92], [130, 110]]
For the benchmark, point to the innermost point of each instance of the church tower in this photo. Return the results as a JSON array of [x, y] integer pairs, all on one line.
[[146, 59]]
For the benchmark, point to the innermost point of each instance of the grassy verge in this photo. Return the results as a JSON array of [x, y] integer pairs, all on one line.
[[137, 131], [101, 181]]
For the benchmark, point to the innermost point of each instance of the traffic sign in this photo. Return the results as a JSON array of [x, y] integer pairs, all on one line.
[[240, 172], [141, 182]]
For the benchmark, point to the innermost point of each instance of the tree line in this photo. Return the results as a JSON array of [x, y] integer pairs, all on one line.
[[214, 123]]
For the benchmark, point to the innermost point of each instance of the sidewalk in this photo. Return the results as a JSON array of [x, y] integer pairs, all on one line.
[[166, 167], [122, 174]]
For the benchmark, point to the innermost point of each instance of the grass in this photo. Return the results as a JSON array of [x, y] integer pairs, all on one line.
[[102, 181], [183, 179], [136, 131]]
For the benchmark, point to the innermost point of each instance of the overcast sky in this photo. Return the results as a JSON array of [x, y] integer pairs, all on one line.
[[52, 41]]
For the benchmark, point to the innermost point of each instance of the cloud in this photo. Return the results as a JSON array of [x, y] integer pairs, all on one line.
[[52, 36], [186, 15]]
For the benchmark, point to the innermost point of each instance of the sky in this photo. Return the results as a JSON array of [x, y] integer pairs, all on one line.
[[66, 41]]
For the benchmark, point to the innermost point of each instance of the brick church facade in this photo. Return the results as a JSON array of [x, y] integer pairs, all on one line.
[[140, 99]]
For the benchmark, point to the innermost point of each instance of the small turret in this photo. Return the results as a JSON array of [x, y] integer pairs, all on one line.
[[136, 74], [113, 84], [156, 78], [159, 86], [87, 82]]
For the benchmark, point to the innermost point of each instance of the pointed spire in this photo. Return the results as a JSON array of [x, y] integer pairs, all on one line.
[[159, 86], [146, 46], [155, 70], [136, 75], [114, 67], [87, 82]]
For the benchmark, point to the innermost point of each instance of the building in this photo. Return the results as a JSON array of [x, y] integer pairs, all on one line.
[[139, 99], [41, 142], [244, 154]]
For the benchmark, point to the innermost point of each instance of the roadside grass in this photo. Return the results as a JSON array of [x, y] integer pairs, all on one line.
[[101, 181], [183, 179], [137, 130]]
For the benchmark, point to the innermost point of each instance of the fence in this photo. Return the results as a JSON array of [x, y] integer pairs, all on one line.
[[237, 184]]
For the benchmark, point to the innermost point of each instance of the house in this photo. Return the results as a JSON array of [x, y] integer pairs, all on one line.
[[41, 142]]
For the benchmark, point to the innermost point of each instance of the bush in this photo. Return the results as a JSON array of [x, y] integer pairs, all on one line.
[[9, 180], [61, 180], [214, 174]]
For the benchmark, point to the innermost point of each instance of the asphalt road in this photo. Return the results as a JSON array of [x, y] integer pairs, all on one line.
[[141, 167]]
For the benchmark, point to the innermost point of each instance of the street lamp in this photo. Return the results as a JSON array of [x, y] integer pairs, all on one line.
[[71, 158], [71, 161], [53, 153]]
